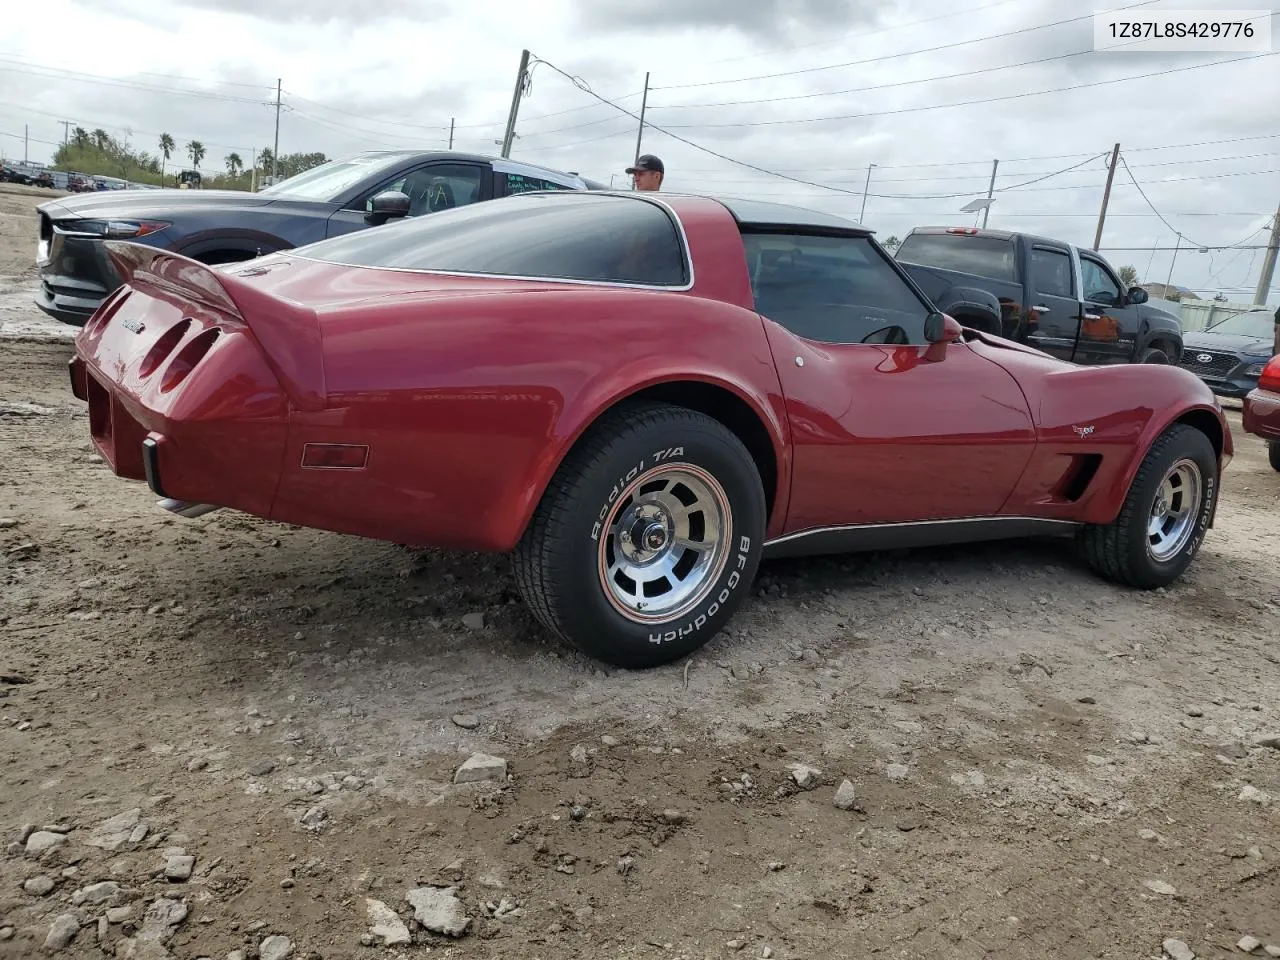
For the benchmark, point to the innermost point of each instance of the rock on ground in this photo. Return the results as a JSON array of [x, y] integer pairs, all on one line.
[[1248, 944], [805, 777], [275, 948], [438, 910], [386, 923], [62, 931], [846, 797], [115, 833], [38, 886], [481, 767], [179, 868], [1177, 950], [42, 841]]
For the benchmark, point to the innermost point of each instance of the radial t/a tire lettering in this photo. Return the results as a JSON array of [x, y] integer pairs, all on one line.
[[1165, 514], [647, 538]]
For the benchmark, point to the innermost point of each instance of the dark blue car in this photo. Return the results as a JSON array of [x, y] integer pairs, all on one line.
[[1230, 355], [223, 226]]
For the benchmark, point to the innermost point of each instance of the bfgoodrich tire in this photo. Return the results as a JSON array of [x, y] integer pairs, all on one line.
[[1163, 520], [1273, 454], [647, 538]]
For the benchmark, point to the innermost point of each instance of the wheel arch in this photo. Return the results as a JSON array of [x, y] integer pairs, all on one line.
[[763, 435], [1206, 419]]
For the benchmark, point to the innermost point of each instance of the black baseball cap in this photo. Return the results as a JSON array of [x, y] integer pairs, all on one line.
[[647, 162]]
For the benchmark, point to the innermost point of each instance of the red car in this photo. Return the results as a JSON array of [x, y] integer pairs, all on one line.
[[1262, 409], [638, 396]]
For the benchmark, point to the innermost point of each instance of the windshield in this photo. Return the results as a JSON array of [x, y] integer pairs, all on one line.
[[329, 181], [1255, 324]]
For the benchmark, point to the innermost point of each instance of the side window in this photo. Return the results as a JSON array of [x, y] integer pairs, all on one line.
[[519, 183], [437, 186], [1098, 285], [832, 289], [1051, 272]]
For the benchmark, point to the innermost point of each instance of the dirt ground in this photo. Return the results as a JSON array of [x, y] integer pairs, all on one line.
[[1042, 764]]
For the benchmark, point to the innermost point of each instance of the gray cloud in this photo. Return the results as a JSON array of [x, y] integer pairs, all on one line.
[[764, 18], [288, 11]]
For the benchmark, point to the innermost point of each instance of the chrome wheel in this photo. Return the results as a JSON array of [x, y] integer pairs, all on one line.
[[665, 543], [1174, 510]]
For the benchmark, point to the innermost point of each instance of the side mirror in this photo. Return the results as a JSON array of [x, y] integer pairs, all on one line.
[[388, 205], [1138, 295], [941, 328]]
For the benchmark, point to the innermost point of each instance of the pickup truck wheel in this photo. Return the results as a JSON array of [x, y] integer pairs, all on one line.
[[648, 536], [1162, 522], [1273, 454], [1155, 355]]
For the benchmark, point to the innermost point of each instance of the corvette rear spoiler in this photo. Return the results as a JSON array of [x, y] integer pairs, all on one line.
[[288, 332]]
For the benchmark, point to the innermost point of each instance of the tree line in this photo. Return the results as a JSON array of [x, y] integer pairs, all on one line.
[[97, 153]]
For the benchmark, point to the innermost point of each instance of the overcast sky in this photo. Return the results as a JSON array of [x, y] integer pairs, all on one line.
[[743, 78]]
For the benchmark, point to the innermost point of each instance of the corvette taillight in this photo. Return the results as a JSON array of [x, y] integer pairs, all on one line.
[[1270, 378], [187, 358]]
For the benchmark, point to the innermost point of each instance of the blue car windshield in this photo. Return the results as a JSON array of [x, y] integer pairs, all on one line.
[[1256, 323], [331, 180]]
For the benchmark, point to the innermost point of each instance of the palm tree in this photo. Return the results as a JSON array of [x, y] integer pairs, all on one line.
[[234, 164], [167, 146], [892, 244], [100, 138], [264, 161], [195, 150], [80, 137]]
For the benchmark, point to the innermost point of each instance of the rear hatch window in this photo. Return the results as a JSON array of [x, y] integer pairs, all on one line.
[[991, 257]]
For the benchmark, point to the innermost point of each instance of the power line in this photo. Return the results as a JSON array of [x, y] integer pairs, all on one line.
[[1054, 156], [876, 86], [75, 76], [970, 103], [586, 88], [149, 73], [896, 56]]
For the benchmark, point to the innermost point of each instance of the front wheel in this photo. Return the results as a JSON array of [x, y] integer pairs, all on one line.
[[1163, 520], [1273, 454], [647, 538], [1155, 355]]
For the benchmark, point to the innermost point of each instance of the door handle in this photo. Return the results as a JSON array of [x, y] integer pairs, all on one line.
[[1040, 308], [1093, 316]]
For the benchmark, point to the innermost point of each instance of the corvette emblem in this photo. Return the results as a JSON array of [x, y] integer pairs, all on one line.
[[132, 324], [1083, 431], [1204, 358]]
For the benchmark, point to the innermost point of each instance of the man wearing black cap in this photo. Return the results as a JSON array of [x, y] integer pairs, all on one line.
[[647, 173]]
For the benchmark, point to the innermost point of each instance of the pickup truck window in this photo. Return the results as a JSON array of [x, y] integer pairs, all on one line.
[[832, 289], [990, 257], [1051, 272], [1098, 285]]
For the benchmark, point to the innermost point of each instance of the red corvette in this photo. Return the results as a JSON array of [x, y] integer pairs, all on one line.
[[1262, 409], [638, 396]]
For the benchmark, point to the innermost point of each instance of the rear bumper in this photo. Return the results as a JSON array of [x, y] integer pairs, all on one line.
[[220, 452], [1262, 414]]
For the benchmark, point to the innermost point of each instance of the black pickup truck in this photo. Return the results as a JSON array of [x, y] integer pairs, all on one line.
[[1045, 293]]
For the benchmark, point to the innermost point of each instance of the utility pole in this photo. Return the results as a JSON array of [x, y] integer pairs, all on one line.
[[451, 119], [25, 130], [644, 102], [253, 172], [515, 104], [1172, 261], [991, 189], [865, 188], [1269, 262], [66, 131], [275, 151], [1106, 195]]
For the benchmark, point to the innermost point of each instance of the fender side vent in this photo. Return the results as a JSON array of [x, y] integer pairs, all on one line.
[[1076, 480]]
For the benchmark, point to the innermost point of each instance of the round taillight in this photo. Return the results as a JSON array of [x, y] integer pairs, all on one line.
[[167, 343], [1270, 378], [182, 364]]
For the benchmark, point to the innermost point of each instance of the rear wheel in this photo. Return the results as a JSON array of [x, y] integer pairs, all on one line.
[[647, 538], [1155, 354], [1273, 454], [1162, 522]]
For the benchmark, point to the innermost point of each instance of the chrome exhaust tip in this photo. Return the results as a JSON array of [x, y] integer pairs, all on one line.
[[189, 510]]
